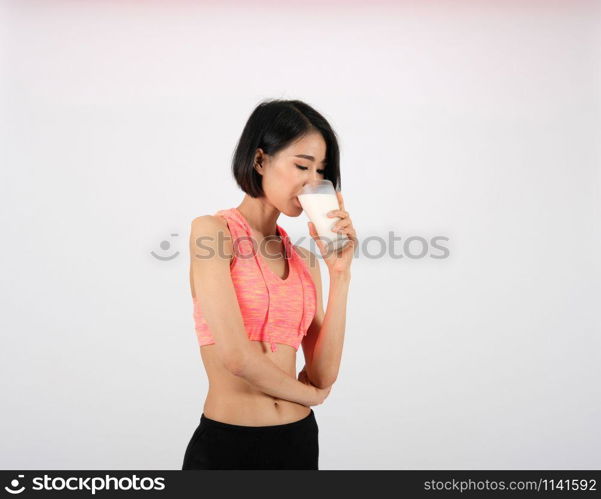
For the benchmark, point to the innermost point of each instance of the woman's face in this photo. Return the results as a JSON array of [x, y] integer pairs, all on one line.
[[285, 173]]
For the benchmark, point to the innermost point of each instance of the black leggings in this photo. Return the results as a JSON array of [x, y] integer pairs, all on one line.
[[218, 446]]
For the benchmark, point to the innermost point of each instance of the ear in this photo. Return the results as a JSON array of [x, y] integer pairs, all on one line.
[[258, 162]]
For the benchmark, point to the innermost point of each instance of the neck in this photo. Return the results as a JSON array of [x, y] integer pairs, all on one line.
[[260, 215]]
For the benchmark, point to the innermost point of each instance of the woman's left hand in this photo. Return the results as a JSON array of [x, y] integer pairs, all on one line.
[[338, 261], [302, 376]]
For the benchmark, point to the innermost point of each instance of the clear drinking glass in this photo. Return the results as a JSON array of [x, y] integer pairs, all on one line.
[[317, 199]]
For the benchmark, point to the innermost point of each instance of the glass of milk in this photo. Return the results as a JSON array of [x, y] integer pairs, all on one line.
[[317, 199]]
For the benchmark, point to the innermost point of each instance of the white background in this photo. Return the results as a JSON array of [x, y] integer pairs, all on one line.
[[478, 123]]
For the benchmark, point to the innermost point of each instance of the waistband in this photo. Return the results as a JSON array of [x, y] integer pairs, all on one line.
[[220, 424]]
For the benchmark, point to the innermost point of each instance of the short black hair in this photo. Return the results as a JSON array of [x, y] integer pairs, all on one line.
[[272, 126]]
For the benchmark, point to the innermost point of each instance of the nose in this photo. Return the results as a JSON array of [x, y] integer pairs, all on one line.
[[312, 178]]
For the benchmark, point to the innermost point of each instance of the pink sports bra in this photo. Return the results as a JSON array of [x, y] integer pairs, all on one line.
[[273, 309]]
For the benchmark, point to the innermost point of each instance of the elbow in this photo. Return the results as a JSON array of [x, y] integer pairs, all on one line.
[[320, 379], [325, 382]]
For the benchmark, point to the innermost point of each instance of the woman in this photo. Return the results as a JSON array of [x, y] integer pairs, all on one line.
[[249, 282]]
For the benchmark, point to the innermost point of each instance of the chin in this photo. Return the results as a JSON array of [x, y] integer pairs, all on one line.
[[293, 211]]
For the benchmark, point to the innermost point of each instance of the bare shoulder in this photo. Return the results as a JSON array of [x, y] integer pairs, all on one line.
[[208, 224], [210, 234]]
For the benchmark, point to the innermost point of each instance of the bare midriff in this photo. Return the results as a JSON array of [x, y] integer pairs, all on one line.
[[233, 400]]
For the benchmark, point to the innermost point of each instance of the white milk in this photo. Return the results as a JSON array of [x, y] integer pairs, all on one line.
[[317, 207]]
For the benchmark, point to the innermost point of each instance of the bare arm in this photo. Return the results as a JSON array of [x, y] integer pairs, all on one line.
[[322, 345], [213, 287]]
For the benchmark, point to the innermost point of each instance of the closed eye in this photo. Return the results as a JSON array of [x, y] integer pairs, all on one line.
[[305, 168]]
